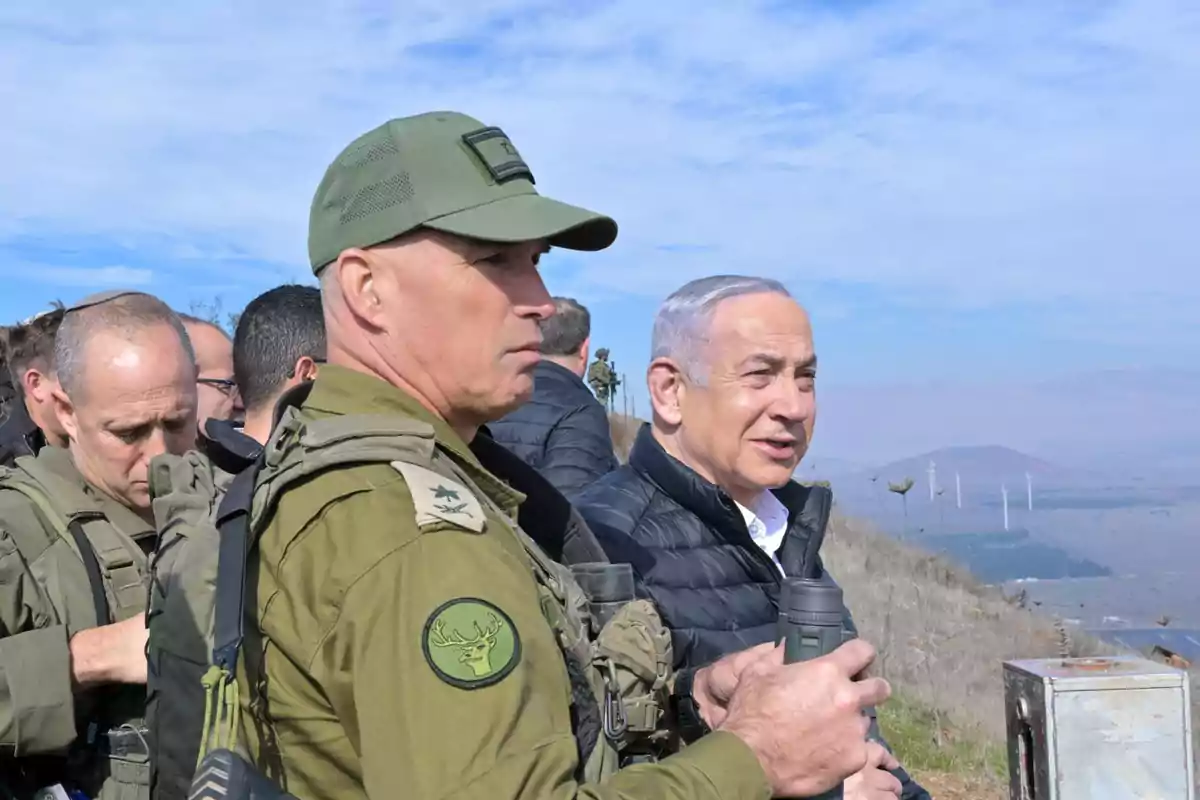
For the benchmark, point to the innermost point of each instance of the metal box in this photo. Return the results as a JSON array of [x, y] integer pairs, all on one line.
[[1098, 729]]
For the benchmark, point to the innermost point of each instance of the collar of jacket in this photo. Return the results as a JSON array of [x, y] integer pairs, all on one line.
[[18, 435], [548, 370], [546, 515], [809, 507], [226, 446], [340, 390]]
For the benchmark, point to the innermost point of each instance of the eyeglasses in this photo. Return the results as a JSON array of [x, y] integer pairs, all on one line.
[[224, 385]]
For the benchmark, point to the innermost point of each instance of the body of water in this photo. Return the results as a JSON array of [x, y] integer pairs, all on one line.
[[1119, 601]]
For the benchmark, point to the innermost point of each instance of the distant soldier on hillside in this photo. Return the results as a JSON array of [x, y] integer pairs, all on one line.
[[603, 379]]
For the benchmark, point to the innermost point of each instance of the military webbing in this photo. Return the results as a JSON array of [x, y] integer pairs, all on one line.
[[300, 448], [112, 566], [73, 515], [221, 702], [79, 542], [222, 706]]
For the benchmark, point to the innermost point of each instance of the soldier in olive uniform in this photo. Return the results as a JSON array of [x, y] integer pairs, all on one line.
[[404, 639], [75, 534], [600, 376]]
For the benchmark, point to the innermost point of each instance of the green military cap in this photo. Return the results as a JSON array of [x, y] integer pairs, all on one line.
[[446, 171], [100, 297]]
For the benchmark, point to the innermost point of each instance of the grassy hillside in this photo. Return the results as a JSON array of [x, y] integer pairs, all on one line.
[[942, 637], [624, 429]]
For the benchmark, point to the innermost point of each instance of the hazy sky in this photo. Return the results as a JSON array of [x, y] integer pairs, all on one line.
[[954, 188]]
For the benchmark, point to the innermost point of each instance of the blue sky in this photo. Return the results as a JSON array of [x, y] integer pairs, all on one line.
[[978, 189]]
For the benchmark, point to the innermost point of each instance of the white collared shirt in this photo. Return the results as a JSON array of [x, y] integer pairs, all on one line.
[[767, 522]]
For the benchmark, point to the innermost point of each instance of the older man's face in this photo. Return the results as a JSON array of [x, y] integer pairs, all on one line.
[[466, 315], [138, 401], [217, 396], [749, 423]]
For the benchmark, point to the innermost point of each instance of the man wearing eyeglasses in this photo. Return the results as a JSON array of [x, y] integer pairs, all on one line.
[[216, 390], [279, 342]]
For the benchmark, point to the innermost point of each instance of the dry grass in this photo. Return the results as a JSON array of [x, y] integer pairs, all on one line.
[[956, 786], [624, 429]]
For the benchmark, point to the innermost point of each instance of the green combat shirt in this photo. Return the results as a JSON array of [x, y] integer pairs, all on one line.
[[405, 655], [38, 709]]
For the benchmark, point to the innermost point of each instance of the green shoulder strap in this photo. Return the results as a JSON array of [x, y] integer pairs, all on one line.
[[108, 553], [68, 526]]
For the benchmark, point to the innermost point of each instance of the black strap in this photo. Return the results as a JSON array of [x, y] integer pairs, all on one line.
[[226, 446], [92, 566], [233, 525], [546, 515]]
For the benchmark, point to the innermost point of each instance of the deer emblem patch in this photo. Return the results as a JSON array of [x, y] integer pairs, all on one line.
[[470, 643]]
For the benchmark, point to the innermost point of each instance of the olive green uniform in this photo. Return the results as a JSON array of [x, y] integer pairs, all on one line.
[[600, 377], [404, 650], [46, 598]]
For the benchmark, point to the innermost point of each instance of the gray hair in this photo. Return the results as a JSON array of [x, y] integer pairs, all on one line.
[[128, 315], [565, 332], [681, 325]]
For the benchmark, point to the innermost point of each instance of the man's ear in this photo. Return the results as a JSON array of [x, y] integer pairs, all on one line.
[[306, 369], [34, 384], [64, 409], [585, 351], [667, 388], [357, 277]]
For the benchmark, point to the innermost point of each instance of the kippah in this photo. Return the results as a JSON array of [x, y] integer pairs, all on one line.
[[101, 297]]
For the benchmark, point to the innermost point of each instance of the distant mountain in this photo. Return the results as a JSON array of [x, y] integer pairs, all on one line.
[[1133, 424], [820, 468], [976, 465]]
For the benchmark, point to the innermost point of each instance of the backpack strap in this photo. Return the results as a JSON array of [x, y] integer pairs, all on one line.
[[222, 707], [233, 523]]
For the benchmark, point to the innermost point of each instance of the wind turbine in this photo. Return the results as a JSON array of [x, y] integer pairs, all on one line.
[[1029, 489], [932, 480], [1004, 492], [958, 489]]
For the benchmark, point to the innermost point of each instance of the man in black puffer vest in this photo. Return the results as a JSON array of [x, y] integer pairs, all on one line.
[[563, 430], [706, 510]]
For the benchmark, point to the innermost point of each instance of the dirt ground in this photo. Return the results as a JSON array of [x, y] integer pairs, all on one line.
[[945, 786]]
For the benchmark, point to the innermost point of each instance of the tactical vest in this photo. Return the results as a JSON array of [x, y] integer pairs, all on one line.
[[93, 576], [619, 667], [185, 491]]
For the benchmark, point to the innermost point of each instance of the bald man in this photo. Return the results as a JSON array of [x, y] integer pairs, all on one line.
[[76, 531], [216, 391]]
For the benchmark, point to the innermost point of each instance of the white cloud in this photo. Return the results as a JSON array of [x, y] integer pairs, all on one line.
[[102, 277], [953, 154]]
